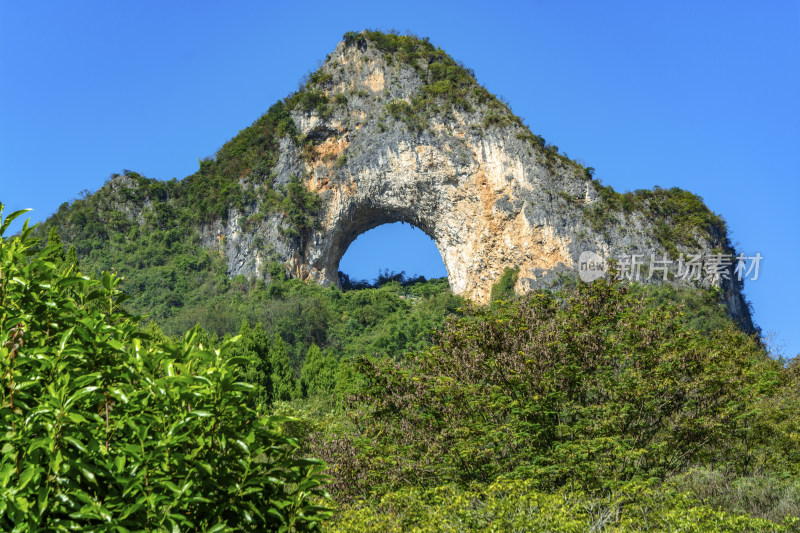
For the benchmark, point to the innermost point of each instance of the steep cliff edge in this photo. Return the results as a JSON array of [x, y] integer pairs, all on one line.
[[391, 129]]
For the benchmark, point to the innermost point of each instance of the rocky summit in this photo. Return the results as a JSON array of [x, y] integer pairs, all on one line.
[[392, 129]]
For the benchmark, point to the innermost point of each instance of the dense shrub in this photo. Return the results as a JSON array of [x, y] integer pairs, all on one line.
[[517, 505], [588, 390], [103, 429], [300, 208], [503, 289]]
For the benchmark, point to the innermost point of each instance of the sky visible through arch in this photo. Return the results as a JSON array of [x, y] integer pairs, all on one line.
[[697, 95], [398, 247]]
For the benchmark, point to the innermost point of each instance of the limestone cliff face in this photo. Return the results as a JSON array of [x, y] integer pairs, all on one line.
[[492, 196]]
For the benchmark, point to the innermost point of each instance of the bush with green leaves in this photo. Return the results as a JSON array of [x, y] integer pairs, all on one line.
[[503, 288], [300, 207], [318, 376], [254, 344], [517, 505], [587, 389], [102, 429], [284, 384]]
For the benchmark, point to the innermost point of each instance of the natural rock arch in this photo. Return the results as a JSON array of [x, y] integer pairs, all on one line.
[[471, 212]]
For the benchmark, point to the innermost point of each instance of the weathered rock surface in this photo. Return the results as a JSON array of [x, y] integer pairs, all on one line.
[[487, 195]]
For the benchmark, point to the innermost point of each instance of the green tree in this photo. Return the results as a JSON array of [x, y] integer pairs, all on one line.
[[154, 333], [318, 375], [284, 386], [55, 246], [254, 344], [71, 259]]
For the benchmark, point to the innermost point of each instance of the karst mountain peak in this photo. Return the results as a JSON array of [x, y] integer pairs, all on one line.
[[391, 129]]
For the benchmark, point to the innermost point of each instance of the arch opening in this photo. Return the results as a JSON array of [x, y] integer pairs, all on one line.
[[389, 251]]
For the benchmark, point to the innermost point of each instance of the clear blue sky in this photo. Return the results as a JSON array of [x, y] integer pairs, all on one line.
[[699, 95]]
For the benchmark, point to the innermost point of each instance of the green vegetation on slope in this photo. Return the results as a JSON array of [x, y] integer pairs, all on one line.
[[678, 216], [388, 320], [629, 408], [607, 396], [146, 231]]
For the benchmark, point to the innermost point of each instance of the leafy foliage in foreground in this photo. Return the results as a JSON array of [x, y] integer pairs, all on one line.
[[103, 430]]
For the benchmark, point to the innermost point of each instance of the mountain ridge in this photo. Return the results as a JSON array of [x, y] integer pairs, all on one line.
[[283, 192]]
